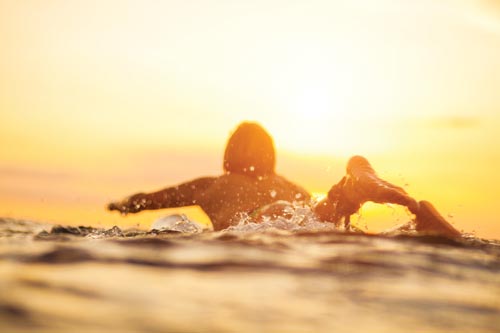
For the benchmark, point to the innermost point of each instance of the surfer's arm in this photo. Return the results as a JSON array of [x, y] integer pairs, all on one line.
[[175, 196], [385, 192]]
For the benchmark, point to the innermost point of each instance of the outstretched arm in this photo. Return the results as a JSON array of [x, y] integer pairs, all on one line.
[[176, 196], [361, 184]]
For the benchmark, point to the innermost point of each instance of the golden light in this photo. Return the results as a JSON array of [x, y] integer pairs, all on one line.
[[127, 93]]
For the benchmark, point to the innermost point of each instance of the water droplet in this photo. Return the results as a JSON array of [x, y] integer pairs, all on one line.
[[272, 193], [252, 168], [298, 196]]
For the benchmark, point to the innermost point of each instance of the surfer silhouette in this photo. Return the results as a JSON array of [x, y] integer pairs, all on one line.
[[249, 182], [249, 185]]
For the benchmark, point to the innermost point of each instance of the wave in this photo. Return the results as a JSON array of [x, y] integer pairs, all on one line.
[[282, 275]]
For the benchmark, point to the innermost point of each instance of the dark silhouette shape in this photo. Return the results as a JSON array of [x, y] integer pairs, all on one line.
[[361, 184], [250, 185], [429, 221], [249, 182], [250, 151]]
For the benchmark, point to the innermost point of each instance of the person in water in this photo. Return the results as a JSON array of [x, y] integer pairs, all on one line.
[[249, 182], [249, 185]]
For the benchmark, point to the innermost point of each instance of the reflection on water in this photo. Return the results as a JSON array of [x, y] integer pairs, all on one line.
[[81, 279]]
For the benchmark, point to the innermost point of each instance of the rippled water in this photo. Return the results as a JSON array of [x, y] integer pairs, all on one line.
[[279, 276]]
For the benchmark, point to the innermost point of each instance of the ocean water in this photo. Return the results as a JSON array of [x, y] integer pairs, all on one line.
[[282, 275]]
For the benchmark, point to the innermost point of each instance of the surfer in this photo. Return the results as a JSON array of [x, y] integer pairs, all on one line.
[[249, 182], [249, 185]]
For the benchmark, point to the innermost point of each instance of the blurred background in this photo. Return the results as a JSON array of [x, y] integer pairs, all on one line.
[[102, 99]]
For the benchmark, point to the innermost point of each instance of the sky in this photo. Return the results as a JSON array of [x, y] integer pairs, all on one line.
[[102, 99]]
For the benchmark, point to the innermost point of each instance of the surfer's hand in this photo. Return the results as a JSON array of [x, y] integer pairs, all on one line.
[[132, 204]]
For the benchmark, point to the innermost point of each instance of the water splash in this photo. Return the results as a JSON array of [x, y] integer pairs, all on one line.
[[297, 217], [177, 222], [255, 281]]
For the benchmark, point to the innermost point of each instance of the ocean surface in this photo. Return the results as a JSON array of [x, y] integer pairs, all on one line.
[[278, 276]]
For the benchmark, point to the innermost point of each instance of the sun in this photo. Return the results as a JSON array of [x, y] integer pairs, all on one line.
[[309, 108], [318, 118], [317, 104]]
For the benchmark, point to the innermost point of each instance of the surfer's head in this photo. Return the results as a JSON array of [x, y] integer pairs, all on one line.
[[250, 151]]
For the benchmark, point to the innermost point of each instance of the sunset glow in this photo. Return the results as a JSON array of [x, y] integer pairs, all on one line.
[[100, 99]]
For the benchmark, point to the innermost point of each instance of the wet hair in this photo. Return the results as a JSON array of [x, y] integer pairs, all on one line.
[[250, 151]]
